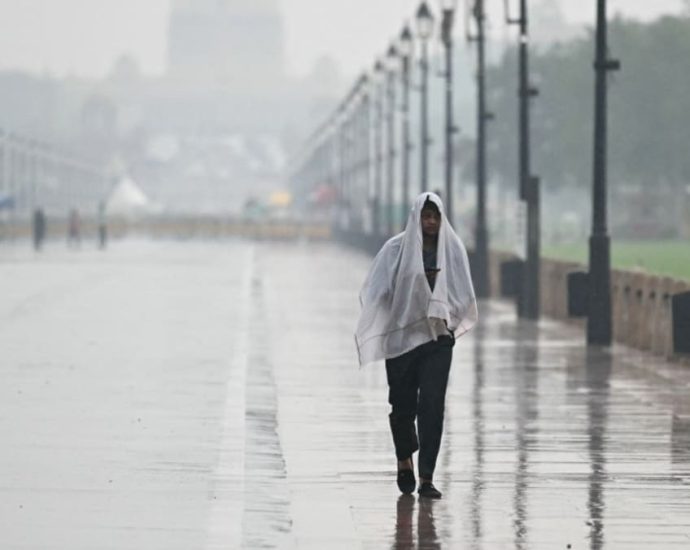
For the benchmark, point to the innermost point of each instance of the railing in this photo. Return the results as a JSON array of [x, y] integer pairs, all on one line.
[[35, 174]]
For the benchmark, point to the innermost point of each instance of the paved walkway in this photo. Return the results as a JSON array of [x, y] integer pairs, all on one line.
[[205, 396]]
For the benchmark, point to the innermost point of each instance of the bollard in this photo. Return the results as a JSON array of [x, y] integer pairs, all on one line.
[[511, 278], [578, 294], [681, 322]]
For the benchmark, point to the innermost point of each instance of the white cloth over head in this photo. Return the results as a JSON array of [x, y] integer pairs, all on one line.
[[399, 309]]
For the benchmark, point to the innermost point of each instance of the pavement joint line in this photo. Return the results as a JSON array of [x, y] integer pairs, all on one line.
[[266, 518]]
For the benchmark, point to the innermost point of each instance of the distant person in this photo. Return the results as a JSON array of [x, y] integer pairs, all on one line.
[[39, 228], [102, 227], [74, 229], [417, 298]]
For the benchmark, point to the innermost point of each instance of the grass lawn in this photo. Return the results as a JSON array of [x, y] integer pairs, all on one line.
[[670, 258]]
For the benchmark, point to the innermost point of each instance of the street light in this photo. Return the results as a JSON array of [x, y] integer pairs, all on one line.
[[406, 48], [340, 123], [480, 269], [377, 78], [425, 21], [448, 8], [599, 306], [529, 185], [348, 162], [392, 65], [363, 139], [425, 27]]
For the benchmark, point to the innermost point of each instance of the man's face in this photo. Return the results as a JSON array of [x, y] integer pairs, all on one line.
[[431, 221]]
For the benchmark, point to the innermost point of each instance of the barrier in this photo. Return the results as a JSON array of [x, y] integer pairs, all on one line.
[[642, 312], [681, 322], [578, 294], [180, 227], [511, 278]]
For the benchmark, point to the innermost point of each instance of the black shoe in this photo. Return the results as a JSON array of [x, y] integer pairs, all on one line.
[[406, 481], [427, 490]]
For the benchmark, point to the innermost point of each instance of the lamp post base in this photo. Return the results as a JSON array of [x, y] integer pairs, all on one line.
[[599, 310], [531, 303], [480, 269]]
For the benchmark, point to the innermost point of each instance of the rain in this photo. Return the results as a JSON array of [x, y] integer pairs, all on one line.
[[200, 201]]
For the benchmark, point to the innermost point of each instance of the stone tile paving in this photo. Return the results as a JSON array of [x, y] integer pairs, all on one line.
[[206, 395]]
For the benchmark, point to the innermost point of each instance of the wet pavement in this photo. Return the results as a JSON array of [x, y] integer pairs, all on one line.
[[206, 396]]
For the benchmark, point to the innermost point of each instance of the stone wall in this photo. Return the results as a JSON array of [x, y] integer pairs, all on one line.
[[642, 316]]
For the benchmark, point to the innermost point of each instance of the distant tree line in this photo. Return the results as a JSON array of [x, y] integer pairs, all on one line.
[[649, 109]]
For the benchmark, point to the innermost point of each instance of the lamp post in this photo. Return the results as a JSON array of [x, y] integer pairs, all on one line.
[[392, 59], [405, 48], [364, 141], [360, 189], [425, 26], [3, 162], [22, 159], [599, 306], [350, 151], [528, 184], [448, 7], [323, 171], [330, 155], [341, 155], [32, 173], [480, 270], [378, 146], [348, 114]]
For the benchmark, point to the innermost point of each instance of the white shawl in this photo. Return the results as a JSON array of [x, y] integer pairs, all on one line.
[[399, 310]]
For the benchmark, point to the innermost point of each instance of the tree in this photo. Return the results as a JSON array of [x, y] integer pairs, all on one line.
[[649, 108]]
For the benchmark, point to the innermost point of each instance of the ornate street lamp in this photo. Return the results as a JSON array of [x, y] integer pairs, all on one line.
[[599, 311], [377, 78], [448, 8], [363, 147], [392, 67], [480, 269], [406, 49], [529, 185], [425, 27]]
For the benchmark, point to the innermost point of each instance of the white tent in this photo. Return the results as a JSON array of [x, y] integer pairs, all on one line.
[[128, 200]]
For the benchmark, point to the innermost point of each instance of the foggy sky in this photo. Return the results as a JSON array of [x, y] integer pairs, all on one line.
[[84, 37]]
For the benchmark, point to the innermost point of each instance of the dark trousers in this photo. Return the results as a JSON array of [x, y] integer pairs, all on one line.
[[417, 382]]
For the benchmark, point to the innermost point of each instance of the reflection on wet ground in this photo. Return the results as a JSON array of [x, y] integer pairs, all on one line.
[[206, 396]]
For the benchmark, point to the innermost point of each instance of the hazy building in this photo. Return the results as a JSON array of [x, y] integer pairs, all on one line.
[[231, 43], [205, 137]]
